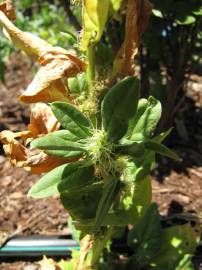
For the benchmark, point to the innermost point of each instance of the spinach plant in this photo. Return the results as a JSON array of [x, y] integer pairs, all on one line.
[[96, 142]]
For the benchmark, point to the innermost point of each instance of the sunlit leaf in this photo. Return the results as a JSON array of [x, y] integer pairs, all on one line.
[[72, 119], [177, 241], [146, 119], [48, 184], [115, 117], [157, 13], [95, 15], [116, 4], [186, 21]]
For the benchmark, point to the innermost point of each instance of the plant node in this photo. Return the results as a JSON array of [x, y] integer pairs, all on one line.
[[101, 153]]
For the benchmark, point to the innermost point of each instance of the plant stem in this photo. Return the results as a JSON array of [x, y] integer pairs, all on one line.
[[99, 244], [91, 65]]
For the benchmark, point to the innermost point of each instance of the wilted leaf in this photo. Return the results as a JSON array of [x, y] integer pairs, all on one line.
[[48, 264], [86, 245], [56, 63], [20, 156], [95, 15], [137, 18], [42, 120], [7, 6], [15, 151]]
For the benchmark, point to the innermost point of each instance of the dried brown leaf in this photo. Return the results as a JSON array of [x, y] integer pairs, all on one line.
[[137, 17], [35, 161], [48, 264], [15, 151], [85, 246], [42, 120], [57, 64], [7, 7]]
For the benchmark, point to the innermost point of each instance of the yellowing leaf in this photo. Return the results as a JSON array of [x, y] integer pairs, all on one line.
[[95, 15], [116, 4]]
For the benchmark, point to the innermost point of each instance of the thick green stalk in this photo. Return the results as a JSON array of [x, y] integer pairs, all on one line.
[[91, 65], [99, 244]]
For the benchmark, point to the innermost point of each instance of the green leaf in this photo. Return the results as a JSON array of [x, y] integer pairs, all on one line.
[[65, 135], [198, 12], [143, 164], [71, 119], [160, 149], [95, 14], [142, 196], [145, 237], [119, 106], [185, 263], [54, 145], [78, 84], [134, 149], [147, 119], [47, 185], [80, 193], [82, 203], [141, 108], [79, 177], [109, 193], [186, 21], [116, 4], [177, 241]]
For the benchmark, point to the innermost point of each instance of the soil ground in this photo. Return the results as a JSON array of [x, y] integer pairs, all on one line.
[[177, 186]]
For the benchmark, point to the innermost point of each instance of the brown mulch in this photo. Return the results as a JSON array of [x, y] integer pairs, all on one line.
[[177, 186]]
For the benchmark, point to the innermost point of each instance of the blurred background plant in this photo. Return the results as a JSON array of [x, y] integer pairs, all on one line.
[[171, 52]]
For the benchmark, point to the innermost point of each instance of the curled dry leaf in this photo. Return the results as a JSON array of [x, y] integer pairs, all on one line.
[[85, 246], [137, 17], [7, 7], [57, 64], [48, 264], [42, 122]]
